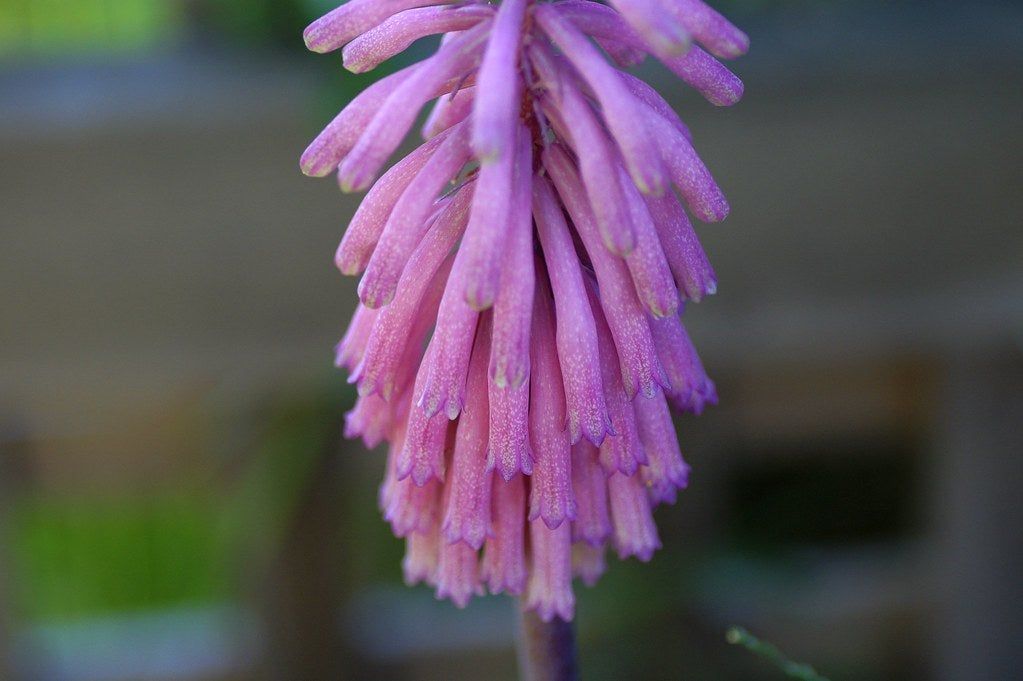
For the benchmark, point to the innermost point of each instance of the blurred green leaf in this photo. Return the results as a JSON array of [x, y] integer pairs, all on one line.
[[76, 557], [60, 27]]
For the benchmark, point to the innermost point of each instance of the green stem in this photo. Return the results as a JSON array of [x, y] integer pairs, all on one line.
[[795, 670]]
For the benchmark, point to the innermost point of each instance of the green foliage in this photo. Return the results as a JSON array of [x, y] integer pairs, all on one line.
[[259, 22], [76, 26], [77, 555], [256, 510], [83, 556]]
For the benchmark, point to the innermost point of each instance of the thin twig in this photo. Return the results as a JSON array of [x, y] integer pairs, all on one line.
[[795, 670]]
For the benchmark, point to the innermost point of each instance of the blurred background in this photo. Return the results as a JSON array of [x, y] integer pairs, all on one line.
[[176, 502]]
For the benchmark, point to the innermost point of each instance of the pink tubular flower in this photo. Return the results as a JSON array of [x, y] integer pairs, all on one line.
[[519, 341]]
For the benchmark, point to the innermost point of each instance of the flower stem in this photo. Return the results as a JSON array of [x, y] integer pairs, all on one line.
[[547, 649]]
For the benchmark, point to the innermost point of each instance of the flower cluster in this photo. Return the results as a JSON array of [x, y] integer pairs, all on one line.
[[518, 341]]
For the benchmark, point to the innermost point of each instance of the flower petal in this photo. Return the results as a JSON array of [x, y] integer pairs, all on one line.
[[340, 26], [550, 579], [500, 88], [504, 555], [641, 370], [619, 108], [467, 507], [551, 484], [408, 220], [398, 32], [513, 306], [441, 73], [576, 335]]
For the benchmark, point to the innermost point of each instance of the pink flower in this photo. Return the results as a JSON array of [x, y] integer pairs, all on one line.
[[519, 340]]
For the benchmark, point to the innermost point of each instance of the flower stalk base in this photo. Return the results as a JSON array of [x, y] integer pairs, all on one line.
[[546, 649]]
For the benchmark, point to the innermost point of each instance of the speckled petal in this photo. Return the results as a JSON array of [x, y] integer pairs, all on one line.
[[575, 331], [513, 307], [666, 472], [449, 110], [467, 508], [340, 26], [439, 74], [693, 273], [398, 32], [409, 218], [504, 555], [549, 592], [634, 531], [551, 489], [641, 370], [495, 118], [619, 108], [589, 483]]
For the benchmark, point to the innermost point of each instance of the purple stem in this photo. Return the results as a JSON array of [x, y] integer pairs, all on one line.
[[546, 649]]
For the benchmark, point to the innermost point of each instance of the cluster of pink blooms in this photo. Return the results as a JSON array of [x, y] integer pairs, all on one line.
[[519, 341]]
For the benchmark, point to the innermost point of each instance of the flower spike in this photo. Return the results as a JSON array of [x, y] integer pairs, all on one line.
[[518, 339]]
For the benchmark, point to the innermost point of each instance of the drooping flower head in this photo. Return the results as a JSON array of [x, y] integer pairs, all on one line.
[[518, 341]]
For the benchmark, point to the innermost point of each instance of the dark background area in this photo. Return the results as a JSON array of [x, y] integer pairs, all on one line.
[[176, 502]]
